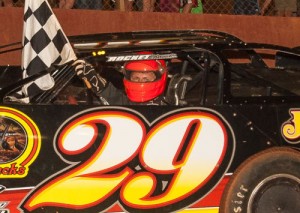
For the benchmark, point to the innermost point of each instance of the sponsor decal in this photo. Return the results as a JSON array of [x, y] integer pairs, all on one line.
[[19, 143], [2, 207], [3, 204], [141, 57], [4, 211], [291, 128], [118, 157]]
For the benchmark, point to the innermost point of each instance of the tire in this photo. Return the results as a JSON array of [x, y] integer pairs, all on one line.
[[268, 182]]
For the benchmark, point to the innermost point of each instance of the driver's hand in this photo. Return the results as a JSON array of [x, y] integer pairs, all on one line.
[[90, 77]]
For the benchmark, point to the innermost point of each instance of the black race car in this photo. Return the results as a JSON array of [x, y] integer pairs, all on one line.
[[226, 137]]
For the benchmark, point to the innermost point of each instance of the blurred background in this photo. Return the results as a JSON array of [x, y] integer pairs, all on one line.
[[239, 7]]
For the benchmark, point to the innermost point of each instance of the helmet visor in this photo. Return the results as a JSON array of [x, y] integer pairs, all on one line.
[[142, 76]]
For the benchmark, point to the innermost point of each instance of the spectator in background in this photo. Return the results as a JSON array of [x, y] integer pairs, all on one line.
[[128, 5], [6, 3], [66, 4], [88, 4], [148, 5], [169, 5], [53, 3], [246, 7], [191, 6], [20, 3], [80, 4], [298, 7], [286, 8]]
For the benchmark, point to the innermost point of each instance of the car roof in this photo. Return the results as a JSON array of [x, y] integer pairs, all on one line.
[[157, 40]]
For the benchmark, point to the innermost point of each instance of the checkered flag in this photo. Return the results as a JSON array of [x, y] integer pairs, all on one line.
[[44, 45]]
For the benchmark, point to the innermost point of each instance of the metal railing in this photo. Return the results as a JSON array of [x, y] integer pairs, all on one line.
[[245, 7]]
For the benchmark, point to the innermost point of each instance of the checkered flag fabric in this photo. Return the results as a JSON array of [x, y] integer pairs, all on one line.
[[44, 45]]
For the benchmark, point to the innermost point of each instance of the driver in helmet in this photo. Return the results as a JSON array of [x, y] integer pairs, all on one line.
[[144, 83]]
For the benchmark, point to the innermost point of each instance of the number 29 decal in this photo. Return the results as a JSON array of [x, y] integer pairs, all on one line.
[[116, 156]]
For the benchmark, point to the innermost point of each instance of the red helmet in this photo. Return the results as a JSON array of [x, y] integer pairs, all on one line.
[[145, 80]]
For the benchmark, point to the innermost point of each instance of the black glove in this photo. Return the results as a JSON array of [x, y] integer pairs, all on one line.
[[90, 77]]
